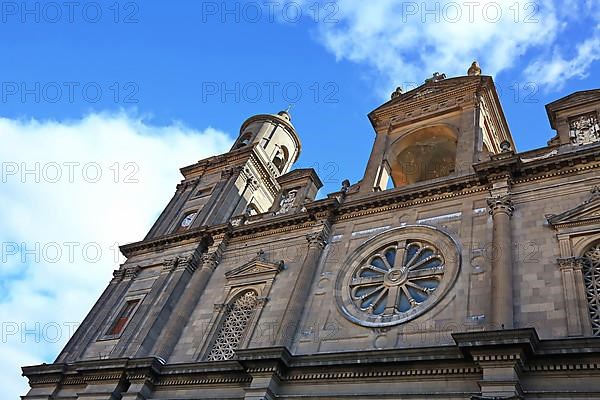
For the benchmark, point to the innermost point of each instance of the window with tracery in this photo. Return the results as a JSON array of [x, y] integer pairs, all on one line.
[[591, 276], [233, 328], [397, 276]]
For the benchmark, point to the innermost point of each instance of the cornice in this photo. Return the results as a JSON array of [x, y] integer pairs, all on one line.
[[410, 196], [270, 225], [214, 163], [513, 165], [383, 373], [163, 242], [464, 358], [510, 165]]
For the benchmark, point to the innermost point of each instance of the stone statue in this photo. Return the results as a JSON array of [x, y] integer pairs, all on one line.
[[287, 201], [474, 69]]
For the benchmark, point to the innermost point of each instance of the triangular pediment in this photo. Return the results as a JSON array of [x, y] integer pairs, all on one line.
[[431, 90], [256, 267], [586, 213], [572, 100]]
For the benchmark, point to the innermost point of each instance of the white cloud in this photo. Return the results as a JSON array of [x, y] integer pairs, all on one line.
[[406, 41], [554, 73], [39, 298]]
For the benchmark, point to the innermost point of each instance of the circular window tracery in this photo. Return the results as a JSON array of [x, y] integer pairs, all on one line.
[[396, 276]]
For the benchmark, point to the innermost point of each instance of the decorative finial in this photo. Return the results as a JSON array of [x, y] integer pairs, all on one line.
[[397, 92], [345, 185], [474, 69], [436, 77], [286, 113]]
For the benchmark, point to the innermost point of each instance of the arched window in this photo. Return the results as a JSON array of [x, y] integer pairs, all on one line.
[[251, 209], [591, 277], [186, 221], [282, 155], [426, 154], [233, 328], [244, 140]]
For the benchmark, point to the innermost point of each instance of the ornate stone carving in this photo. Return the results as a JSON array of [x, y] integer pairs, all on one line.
[[436, 77], [396, 93], [118, 275], [237, 316], [571, 263], [501, 204], [131, 271], [474, 69], [187, 262], [317, 238], [218, 307], [584, 129], [169, 265], [287, 201], [228, 173], [397, 276], [209, 260], [125, 272], [591, 277]]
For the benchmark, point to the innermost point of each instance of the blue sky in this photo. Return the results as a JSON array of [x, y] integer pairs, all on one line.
[[160, 85]]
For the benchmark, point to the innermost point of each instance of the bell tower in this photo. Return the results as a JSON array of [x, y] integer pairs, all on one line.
[[241, 181], [435, 131]]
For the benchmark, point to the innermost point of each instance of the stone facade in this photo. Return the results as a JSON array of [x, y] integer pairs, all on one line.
[[476, 276]]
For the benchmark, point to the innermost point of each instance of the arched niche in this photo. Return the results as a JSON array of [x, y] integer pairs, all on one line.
[[421, 155], [281, 158], [243, 140]]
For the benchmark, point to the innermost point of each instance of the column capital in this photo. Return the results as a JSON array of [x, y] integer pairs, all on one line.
[[187, 262], [123, 273], [209, 261], [317, 239], [169, 265], [229, 172], [501, 204], [574, 263]]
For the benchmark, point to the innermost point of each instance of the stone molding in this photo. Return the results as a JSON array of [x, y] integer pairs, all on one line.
[[469, 357], [393, 199]]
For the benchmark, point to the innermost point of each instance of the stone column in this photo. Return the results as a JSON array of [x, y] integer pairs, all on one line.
[[375, 160], [501, 209], [182, 312], [298, 298]]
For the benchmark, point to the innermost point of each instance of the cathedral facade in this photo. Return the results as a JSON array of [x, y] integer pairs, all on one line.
[[456, 268]]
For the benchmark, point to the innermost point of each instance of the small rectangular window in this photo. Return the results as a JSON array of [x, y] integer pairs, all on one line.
[[203, 192], [123, 318]]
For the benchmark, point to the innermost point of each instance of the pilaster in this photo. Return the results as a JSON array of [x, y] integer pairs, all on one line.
[[179, 317], [571, 272], [289, 324]]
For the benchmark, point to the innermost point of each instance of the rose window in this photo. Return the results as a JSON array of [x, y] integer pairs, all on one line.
[[392, 283]]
